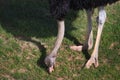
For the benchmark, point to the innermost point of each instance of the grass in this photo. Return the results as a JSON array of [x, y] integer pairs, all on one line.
[[28, 32]]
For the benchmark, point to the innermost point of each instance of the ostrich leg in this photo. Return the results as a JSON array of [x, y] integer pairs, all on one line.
[[50, 59], [89, 37], [101, 21]]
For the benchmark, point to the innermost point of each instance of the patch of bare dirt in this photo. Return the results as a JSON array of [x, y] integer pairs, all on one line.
[[60, 78], [22, 70], [7, 76], [113, 45]]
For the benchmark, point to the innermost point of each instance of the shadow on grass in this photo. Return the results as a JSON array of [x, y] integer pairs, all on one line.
[[40, 61], [87, 56], [31, 18], [26, 19]]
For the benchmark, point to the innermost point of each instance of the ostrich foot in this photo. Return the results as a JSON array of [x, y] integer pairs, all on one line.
[[76, 48], [50, 62], [51, 69], [93, 60]]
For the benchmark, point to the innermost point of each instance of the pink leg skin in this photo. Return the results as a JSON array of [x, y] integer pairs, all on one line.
[[87, 46], [89, 34], [51, 69], [94, 56], [93, 60], [76, 48]]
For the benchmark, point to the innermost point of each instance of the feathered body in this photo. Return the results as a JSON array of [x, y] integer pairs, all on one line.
[[59, 8]]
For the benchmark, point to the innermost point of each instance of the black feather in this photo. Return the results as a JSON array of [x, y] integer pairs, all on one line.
[[59, 8]]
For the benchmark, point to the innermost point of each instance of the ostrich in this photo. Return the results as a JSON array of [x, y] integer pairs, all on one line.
[[59, 9]]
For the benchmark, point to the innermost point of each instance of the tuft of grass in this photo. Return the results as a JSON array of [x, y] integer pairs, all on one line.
[[28, 33]]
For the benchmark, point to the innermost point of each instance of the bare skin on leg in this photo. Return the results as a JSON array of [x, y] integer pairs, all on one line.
[[94, 56], [89, 37], [50, 59]]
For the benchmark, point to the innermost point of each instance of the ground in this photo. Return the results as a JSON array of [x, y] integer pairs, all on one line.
[[28, 32]]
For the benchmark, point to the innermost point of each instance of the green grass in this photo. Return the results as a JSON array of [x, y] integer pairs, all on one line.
[[28, 32]]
